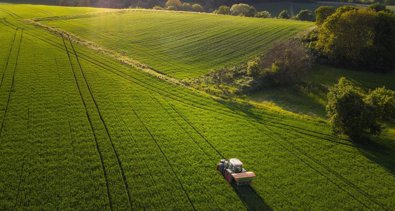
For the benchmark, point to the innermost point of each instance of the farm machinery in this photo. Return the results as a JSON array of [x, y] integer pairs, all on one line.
[[234, 172]]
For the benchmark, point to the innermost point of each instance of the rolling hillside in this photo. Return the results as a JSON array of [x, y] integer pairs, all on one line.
[[182, 45], [79, 130]]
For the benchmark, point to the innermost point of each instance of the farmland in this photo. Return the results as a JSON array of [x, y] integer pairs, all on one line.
[[80, 130], [182, 45]]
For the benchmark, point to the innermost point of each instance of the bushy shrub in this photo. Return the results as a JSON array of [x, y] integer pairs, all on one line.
[[242, 10], [284, 14], [223, 10], [157, 7], [286, 63], [173, 4], [348, 113], [197, 8], [173, 8], [377, 7], [383, 101], [323, 12], [305, 15], [186, 6], [263, 14]]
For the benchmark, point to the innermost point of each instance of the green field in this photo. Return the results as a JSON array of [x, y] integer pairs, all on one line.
[[79, 130], [182, 45]]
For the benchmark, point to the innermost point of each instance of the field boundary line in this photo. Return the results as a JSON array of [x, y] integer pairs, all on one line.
[[11, 89], [105, 127], [165, 156], [91, 126]]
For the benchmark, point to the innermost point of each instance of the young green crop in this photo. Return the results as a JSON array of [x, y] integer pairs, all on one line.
[[182, 45], [81, 131]]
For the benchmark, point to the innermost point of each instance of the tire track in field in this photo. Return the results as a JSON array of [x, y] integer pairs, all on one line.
[[154, 89], [11, 89], [295, 151], [105, 126], [197, 131], [165, 156], [333, 172], [91, 126], [8, 58], [175, 120], [20, 182]]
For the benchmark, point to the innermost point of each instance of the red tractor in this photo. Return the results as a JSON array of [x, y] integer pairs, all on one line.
[[234, 172]]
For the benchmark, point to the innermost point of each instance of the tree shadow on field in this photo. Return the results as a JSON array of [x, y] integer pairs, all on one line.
[[379, 151], [250, 198]]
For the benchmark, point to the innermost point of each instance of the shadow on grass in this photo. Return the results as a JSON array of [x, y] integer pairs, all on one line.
[[250, 198], [380, 150]]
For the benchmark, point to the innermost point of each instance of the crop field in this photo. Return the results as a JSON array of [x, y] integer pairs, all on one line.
[[80, 130], [182, 45]]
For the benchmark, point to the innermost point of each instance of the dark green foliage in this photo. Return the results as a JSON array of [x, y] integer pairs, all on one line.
[[284, 14], [383, 101], [348, 113], [223, 10], [360, 38], [242, 10], [305, 15], [186, 6], [263, 14], [377, 7], [284, 64], [197, 8], [323, 12]]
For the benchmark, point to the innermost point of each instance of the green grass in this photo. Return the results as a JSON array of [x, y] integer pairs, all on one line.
[[81, 131], [182, 45], [310, 98]]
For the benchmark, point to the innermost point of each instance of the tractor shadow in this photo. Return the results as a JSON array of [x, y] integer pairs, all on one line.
[[250, 198]]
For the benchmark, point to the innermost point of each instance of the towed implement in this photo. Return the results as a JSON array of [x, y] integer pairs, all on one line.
[[234, 172]]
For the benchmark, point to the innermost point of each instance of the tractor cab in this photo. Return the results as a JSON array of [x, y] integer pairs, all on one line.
[[235, 165], [234, 172]]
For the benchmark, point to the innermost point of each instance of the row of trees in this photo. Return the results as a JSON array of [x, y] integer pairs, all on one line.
[[178, 5], [353, 37], [249, 11]]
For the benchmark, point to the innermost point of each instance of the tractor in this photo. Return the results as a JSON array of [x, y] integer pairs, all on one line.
[[234, 172]]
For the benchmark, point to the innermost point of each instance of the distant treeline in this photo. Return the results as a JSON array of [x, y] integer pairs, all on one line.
[[207, 4]]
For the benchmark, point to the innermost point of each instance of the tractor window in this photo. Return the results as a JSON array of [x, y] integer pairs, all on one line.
[[237, 169]]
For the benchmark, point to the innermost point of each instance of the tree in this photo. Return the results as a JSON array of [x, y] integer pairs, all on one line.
[[197, 8], [285, 63], [263, 14], [242, 10], [284, 14], [305, 15], [359, 38], [323, 12], [383, 101], [348, 113], [223, 10], [174, 3], [377, 7], [186, 6]]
